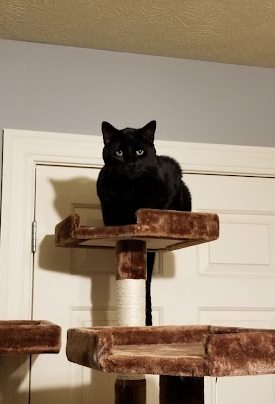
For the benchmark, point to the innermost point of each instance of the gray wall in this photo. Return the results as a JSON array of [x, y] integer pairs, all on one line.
[[64, 89]]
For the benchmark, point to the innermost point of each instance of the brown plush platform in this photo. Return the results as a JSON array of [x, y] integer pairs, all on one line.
[[29, 337], [161, 229], [195, 351]]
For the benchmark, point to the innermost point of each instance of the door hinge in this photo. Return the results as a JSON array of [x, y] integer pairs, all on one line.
[[34, 234]]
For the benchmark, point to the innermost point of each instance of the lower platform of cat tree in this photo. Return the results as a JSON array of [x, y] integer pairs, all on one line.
[[29, 337], [193, 351]]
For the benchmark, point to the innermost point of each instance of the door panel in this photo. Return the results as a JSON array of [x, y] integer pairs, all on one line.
[[67, 290], [72, 287], [230, 281]]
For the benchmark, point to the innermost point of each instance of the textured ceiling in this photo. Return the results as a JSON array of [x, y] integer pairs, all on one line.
[[227, 31]]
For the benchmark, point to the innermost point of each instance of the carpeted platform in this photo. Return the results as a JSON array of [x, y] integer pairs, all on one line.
[[29, 337], [161, 229], [195, 351]]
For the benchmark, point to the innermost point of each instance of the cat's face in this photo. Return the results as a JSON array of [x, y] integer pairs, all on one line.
[[129, 149]]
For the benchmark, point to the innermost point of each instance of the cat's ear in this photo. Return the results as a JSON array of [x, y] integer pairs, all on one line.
[[108, 132], [149, 131]]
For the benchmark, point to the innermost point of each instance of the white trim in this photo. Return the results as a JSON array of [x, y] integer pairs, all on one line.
[[193, 157], [23, 150]]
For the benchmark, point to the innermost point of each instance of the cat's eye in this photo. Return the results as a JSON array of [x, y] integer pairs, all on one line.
[[139, 152], [119, 153]]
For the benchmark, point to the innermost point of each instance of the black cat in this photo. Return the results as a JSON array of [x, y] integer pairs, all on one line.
[[135, 177]]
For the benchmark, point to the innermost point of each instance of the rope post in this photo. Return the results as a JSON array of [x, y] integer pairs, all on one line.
[[130, 280]]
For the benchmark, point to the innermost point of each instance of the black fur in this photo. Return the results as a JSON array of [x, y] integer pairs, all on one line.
[[135, 177]]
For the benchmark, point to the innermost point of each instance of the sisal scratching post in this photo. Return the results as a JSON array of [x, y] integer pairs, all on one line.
[[131, 278]]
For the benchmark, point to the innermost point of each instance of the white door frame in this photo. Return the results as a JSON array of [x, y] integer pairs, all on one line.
[[24, 150]]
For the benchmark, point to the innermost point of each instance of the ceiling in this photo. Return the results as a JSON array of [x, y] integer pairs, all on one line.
[[226, 31]]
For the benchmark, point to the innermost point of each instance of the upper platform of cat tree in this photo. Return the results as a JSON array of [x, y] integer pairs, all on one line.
[[161, 229]]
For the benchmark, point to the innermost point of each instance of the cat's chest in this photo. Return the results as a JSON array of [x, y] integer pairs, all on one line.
[[132, 188], [135, 187]]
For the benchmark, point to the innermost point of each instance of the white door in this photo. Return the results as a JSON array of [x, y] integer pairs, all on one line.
[[230, 281]]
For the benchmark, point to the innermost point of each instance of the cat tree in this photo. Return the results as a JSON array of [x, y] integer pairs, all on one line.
[[132, 350]]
